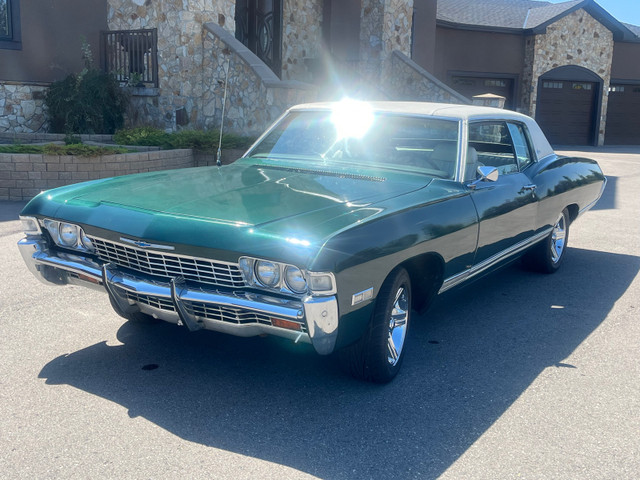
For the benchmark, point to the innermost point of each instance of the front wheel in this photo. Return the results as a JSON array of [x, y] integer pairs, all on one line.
[[548, 255], [377, 356]]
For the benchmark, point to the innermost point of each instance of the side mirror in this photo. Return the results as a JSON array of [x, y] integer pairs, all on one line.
[[487, 174]]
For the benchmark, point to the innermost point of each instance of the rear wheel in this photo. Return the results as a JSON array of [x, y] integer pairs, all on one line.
[[378, 354], [548, 255]]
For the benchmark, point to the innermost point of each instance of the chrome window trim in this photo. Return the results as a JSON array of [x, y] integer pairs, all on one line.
[[458, 278]]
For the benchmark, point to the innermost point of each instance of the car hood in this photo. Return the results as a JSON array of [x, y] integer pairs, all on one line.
[[242, 207], [250, 195]]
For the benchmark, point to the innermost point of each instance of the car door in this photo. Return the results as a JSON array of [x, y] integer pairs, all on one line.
[[507, 207]]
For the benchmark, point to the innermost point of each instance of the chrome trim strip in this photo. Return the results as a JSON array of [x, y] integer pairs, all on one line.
[[143, 244], [592, 204], [491, 261]]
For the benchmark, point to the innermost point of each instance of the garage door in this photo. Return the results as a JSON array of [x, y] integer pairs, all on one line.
[[566, 111], [623, 115]]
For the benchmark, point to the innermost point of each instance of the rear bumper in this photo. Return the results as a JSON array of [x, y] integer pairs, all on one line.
[[311, 320]]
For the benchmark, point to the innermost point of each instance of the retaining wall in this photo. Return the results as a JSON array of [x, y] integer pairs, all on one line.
[[23, 176]]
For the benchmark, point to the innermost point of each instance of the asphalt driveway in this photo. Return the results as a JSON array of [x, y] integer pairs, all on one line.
[[518, 375]]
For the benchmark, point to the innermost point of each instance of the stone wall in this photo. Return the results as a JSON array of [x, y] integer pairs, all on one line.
[[385, 27], [23, 176], [180, 27], [22, 108], [192, 64], [255, 95], [301, 37], [576, 39], [409, 81]]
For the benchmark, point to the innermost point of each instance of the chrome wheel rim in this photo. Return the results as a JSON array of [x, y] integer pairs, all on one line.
[[397, 326], [558, 239]]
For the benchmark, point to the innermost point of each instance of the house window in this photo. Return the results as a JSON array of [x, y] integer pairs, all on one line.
[[462, 81], [582, 86], [10, 24], [551, 84], [617, 88], [5, 17]]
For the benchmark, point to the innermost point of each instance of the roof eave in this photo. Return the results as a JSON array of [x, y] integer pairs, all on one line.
[[620, 32], [481, 28]]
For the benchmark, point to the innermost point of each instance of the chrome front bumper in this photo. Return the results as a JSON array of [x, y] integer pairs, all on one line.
[[311, 320]]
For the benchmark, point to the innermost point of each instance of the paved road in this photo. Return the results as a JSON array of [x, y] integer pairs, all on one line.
[[517, 376]]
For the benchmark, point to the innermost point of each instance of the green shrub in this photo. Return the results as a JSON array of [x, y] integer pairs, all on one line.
[[78, 149], [91, 102], [144, 136], [196, 139]]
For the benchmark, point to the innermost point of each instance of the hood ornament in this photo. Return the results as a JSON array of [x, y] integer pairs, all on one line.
[[143, 244]]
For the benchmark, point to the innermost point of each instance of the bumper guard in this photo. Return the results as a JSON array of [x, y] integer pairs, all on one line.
[[174, 301]]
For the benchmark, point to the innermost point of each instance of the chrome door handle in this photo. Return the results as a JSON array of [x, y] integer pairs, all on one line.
[[530, 187]]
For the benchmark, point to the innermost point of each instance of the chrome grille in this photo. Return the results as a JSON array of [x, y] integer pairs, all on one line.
[[239, 316], [169, 265], [160, 303], [208, 311]]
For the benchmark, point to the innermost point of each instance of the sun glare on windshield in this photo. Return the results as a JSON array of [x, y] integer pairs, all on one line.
[[352, 118]]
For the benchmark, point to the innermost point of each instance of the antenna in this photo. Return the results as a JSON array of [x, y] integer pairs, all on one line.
[[224, 103]]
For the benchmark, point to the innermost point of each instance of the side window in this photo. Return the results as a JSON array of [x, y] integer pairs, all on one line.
[[521, 145], [10, 24], [491, 142]]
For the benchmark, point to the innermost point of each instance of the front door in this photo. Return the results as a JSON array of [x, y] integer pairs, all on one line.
[[507, 208], [259, 28]]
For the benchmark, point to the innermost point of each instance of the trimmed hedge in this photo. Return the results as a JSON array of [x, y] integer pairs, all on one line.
[[73, 149], [204, 141]]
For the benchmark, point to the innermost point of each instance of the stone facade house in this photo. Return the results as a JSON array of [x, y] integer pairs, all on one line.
[[571, 65], [177, 56]]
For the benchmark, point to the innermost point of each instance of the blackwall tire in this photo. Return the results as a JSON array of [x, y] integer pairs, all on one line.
[[378, 355], [548, 255]]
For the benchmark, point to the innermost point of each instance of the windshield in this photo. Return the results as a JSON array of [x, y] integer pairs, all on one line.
[[362, 138]]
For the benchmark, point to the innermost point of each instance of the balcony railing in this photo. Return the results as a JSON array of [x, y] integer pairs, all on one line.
[[131, 56]]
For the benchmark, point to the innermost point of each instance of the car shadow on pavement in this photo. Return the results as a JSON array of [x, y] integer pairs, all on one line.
[[469, 358]]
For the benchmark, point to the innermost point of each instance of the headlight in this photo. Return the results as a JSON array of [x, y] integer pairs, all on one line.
[[295, 279], [277, 276], [68, 235], [86, 241], [268, 273]]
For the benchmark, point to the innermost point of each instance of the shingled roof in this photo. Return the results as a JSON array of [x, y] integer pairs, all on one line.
[[526, 16]]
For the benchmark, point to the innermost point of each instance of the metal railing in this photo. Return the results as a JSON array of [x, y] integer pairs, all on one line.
[[131, 56]]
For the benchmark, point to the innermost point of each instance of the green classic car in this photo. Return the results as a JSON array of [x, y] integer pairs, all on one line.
[[341, 220]]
